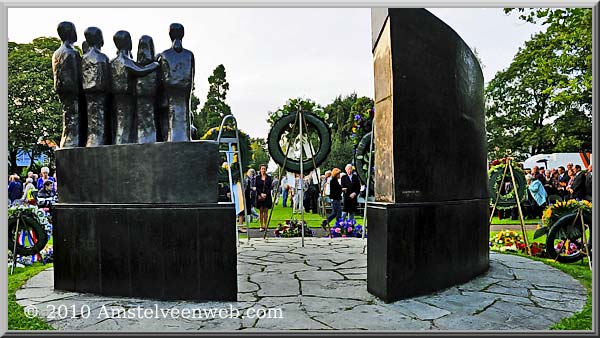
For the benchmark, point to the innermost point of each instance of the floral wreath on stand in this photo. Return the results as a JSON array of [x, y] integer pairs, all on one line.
[[506, 201], [361, 138], [28, 239], [362, 125]]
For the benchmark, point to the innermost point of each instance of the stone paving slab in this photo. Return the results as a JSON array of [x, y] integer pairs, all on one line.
[[323, 287]]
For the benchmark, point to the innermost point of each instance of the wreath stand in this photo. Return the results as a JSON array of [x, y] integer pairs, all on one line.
[[508, 167], [14, 252], [579, 217], [368, 181], [230, 153], [301, 122]]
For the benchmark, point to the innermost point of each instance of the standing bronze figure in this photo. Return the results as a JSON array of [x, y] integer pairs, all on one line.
[[96, 84], [177, 75], [66, 66], [124, 70], [146, 88]]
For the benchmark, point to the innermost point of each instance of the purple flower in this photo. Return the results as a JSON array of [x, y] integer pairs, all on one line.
[[357, 117]]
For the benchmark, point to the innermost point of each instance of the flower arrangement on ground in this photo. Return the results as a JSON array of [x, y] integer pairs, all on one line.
[[507, 240], [536, 249], [346, 228], [292, 228]]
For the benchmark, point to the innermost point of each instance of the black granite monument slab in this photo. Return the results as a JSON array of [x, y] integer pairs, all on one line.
[[428, 226]]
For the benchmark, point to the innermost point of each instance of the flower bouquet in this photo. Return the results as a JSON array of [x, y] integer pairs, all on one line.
[[507, 240], [346, 228], [536, 249], [292, 228]]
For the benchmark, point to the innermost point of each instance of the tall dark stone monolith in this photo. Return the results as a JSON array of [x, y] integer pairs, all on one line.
[[428, 225]]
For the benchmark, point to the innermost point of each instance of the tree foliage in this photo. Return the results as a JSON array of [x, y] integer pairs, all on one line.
[[260, 155], [34, 113], [542, 102], [215, 107]]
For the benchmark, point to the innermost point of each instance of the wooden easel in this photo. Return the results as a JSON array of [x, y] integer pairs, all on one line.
[[508, 167]]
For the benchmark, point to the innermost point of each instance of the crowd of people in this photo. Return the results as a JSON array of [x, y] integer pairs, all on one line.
[[335, 194], [40, 190], [546, 186]]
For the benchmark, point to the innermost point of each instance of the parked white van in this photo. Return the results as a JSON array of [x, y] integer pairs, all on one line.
[[549, 161]]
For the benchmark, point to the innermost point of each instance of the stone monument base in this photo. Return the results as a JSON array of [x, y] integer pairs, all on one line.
[[419, 248], [142, 220], [168, 252]]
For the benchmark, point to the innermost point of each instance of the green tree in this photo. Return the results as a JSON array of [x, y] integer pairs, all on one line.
[[339, 114], [260, 154], [293, 105], [341, 154], [194, 104], [215, 107], [542, 101], [34, 113]]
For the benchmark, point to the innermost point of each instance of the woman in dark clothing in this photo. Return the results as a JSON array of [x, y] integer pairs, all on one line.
[[263, 185], [335, 194]]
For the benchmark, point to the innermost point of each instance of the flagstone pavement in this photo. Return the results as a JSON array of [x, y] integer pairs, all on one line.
[[282, 286]]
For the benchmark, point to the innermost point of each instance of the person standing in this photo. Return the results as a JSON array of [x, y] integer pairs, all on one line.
[[15, 189], [563, 180], [284, 186], [588, 184], [539, 195], [335, 195], [264, 201], [351, 189], [298, 185], [44, 172], [28, 191], [577, 189]]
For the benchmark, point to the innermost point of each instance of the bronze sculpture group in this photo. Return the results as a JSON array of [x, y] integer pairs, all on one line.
[[122, 101]]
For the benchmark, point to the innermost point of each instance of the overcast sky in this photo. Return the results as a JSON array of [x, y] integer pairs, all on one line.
[[271, 55]]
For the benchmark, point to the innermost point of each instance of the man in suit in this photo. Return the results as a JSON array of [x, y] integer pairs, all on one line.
[[563, 181], [588, 184], [351, 189], [577, 189]]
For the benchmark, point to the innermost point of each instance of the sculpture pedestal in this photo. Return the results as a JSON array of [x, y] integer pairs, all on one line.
[[142, 220], [148, 251]]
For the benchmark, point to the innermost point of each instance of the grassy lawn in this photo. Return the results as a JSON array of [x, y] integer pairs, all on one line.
[[496, 221], [280, 214], [16, 318]]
